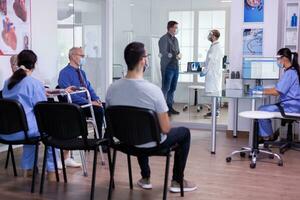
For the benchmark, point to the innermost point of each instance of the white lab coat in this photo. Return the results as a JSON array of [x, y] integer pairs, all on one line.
[[213, 68]]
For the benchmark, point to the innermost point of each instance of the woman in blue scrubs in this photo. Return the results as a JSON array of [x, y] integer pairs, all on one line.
[[288, 90], [21, 86]]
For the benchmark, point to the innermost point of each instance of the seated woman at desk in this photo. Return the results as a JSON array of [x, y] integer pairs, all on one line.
[[21, 86], [288, 90]]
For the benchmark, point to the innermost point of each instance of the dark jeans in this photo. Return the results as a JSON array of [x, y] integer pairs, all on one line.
[[180, 136], [99, 113], [169, 84]]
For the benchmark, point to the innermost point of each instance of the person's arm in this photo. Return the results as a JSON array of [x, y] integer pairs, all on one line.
[[91, 90], [161, 109], [39, 94], [163, 47], [64, 81], [164, 122], [271, 91]]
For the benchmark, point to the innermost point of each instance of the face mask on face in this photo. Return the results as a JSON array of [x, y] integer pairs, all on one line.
[[146, 66], [280, 65], [82, 62], [209, 37], [176, 32]]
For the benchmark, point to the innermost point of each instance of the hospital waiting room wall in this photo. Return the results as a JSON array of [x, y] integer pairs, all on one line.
[[270, 46]]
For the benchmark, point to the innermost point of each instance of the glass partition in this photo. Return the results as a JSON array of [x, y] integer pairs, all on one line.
[[80, 23], [146, 21]]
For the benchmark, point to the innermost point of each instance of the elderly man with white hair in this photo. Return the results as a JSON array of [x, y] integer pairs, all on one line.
[[73, 75]]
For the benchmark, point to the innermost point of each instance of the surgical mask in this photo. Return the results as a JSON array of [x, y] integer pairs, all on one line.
[[176, 32], [209, 37], [146, 66], [279, 65], [82, 61]]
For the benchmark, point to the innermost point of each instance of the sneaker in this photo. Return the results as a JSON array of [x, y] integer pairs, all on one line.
[[145, 183], [172, 111], [69, 162], [59, 164], [187, 186], [208, 115]]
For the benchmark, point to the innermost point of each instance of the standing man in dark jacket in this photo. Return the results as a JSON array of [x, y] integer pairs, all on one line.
[[170, 56]]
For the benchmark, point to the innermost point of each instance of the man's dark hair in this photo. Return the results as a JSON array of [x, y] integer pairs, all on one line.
[[133, 53], [216, 33], [26, 58], [171, 24]]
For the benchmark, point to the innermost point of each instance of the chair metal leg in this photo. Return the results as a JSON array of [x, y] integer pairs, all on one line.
[[94, 173], [7, 156], [129, 171], [166, 177], [83, 162], [109, 161], [43, 171], [280, 161], [55, 164], [181, 188], [111, 182], [63, 165], [34, 167], [13, 161]]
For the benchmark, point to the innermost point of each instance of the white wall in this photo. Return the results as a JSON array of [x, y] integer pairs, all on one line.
[[270, 45], [44, 42]]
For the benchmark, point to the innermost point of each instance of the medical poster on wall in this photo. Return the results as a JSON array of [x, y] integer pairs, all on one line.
[[253, 10], [253, 42], [16, 26]]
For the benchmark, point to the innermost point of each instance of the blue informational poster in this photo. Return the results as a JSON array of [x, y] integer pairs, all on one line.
[[253, 42], [253, 10]]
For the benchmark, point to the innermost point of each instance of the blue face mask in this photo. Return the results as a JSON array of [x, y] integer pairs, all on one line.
[[82, 61], [280, 65]]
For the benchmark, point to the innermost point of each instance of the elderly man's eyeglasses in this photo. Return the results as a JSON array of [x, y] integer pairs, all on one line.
[[81, 55]]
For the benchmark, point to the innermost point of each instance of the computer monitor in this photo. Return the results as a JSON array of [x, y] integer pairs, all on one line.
[[260, 68], [193, 67]]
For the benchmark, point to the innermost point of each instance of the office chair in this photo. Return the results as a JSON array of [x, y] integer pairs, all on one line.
[[64, 126], [288, 143], [254, 151], [135, 126]]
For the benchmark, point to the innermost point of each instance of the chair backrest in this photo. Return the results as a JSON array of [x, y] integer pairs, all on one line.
[[61, 121], [132, 125], [12, 117], [61, 98]]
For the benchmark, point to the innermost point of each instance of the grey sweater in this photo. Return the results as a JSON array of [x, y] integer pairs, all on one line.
[[169, 49]]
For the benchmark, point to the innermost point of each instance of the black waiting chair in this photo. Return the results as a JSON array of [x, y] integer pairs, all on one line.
[[63, 126], [135, 126], [12, 120]]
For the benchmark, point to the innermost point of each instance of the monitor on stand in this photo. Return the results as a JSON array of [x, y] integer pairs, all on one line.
[[260, 69]]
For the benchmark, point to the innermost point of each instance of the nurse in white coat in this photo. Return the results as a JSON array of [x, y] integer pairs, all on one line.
[[213, 66]]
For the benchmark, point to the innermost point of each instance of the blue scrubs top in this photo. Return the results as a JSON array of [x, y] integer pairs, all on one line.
[[28, 92], [289, 90]]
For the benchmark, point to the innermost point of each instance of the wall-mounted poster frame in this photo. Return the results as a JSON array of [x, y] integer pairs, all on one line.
[[15, 29], [253, 11]]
